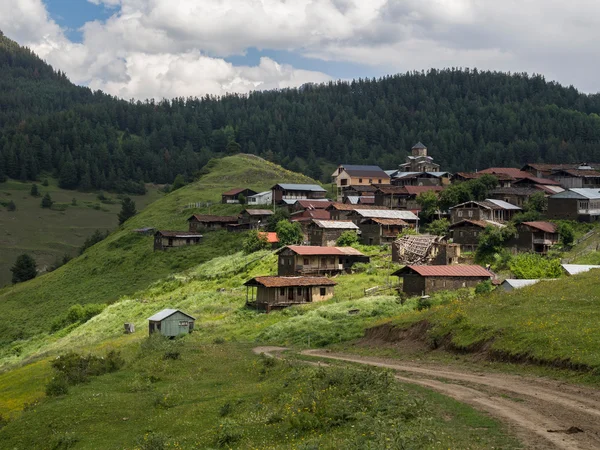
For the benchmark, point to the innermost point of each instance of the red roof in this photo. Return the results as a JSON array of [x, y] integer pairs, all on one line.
[[309, 214], [235, 191], [510, 171], [446, 271], [271, 236], [547, 227], [536, 180], [312, 204]]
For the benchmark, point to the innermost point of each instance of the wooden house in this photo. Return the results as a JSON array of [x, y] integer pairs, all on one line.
[[276, 292], [164, 240], [514, 195], [210, 223], [233, 195], [358, 215], [314, 260], [380, 231], [421, 179], [254, 218], [402, 197], [326, 232], [535, 237], [466, 232], [293, 192], [303, 205], [341, 211], [575, 204], [488, 209], [171, 323], [503, 179], [581, 177], [424, 280]]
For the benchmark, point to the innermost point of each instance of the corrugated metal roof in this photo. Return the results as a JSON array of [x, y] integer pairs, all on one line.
[[270, 235], [398, 222], [479, 223], [321, 203], [336, 224], [445, 271], [300, 187], [260, 194], [386, 214], [315, 250], [167, 313], [275, 282], [502, 204], [236, 191], [587, 193], [547, 227], [510, 284], [353, 199], [258, 212], [179, 234], [574, 269], [346, 207]]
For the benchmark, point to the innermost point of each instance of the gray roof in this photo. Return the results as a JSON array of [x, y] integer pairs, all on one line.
[[502, 204], [386, 214], [301, 187], [391, 172], [587, 193], [260, 194], [353, 199], [574, 269], [167, 313], [336, 224], [510, 284], [419, 145]]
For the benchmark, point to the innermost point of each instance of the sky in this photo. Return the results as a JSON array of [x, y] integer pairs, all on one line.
[[140, 49]]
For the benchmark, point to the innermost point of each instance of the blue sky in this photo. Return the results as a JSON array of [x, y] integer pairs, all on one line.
[[71, 15]]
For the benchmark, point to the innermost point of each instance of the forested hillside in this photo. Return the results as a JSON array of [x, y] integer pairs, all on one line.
[[468, 119]]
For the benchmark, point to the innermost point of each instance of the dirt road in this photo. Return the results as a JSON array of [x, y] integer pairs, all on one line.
[[544, 414]]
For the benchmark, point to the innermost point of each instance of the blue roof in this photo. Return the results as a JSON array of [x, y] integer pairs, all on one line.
[[301, 187]]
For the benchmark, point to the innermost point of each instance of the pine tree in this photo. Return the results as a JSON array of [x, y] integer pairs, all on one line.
[[47, 201], [11, 206], [24, 269], [34, 192], [127, 210]]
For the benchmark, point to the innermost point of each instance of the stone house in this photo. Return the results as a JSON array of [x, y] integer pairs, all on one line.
[[466, 232], [164, 240], [210, 222], [315, 260], [232, 196], [325, 233], [488, 209], [535, 237], [575, 204], [276, 292], [424, 280]]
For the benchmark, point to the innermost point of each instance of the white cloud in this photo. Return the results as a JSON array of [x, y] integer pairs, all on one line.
[[176, 47]]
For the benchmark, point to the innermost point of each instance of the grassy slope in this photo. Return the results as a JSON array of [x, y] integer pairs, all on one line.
[[47, 234], [553, 322], [125, 262]]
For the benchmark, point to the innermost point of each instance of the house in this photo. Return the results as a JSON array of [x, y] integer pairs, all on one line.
[[286, 191], [352, 175], [262, 198], [171, 239], [575, 204], [358, 215], [146, 231], [419, 161], [341, 211], [326, 232], [307, 259], [466, 232], [424, 249], [380, 230], [424, 280], [302, 205], [503, 179], [271, 237], [233, 195], [171, 323], [402, 197], [511, 284], [359, 191], [275, 292], [581, 177], [488, 209], [535, 237], [575, 269], [308, 215], [514, 195], [209, 222], [516, 174], [254, 218], [421, 179]]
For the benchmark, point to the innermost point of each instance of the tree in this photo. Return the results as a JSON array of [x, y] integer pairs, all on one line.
[[178, 183], [536, 202], [567, 234], [127, 210], [428, 201], [255, 241], [34, 192], [47, 201], [96, 237], [289, 233], [439, 227], [278, 215], [347, 239], [11, 206], [242, 199], [491, 241], [24, 269]]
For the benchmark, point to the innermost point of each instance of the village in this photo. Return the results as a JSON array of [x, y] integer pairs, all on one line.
[[387, 208]]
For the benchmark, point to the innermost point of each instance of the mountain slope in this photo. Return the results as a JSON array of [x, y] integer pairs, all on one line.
[[125, 262], [468, 119]]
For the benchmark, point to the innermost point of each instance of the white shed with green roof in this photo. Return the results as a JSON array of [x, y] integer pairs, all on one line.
[[171, 323]]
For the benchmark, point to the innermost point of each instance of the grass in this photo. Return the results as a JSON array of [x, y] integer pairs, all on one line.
[[48, 234], [222, 396], [125, 262]]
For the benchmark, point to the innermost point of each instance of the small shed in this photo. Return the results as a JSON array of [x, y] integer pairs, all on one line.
[[171, 323], [423, 280], [511, 284]]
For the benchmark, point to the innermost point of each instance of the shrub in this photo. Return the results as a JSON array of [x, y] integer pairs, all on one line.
[[423, 303], [567, 234], [152, 441], [533, 266], [45, 182], [225, 409], [96, 237], [172, 354], [219, 340], [289, 233], [47, 201], [57, 386], [228, 433], [24, 269], [347, 239], [484, 287], [255, 242], [77, 368], [10, 206], [439, 227], [34, 192]]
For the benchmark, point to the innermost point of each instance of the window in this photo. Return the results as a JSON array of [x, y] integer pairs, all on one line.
[[360, 180], [379, 181], [461, 233], [299, 291], [323, 261], [460, 214], [470, 213], [322, 292], [183, 323], [282, 291], [305, 262], [370, 180]]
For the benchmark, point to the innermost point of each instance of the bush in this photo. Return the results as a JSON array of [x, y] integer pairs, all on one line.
[[45, 182], [289, 233], [152, 441], [76, 368], [439, 227], [528, 266], [567, 234], [10, 206], [347, 239], [34, 192], [47, 201], [96, 237], [57, 386], [484, 287], [255, 242], [423, 303], [228, 433]]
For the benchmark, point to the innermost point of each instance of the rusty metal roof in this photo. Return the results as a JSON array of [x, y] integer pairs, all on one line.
[[547, 227], [315, 250], [346, 207], [276, 282], [258, 212], [384, 221], [445, 271]]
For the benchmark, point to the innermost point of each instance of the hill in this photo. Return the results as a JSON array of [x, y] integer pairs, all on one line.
[[125, 262], [469, 120]]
